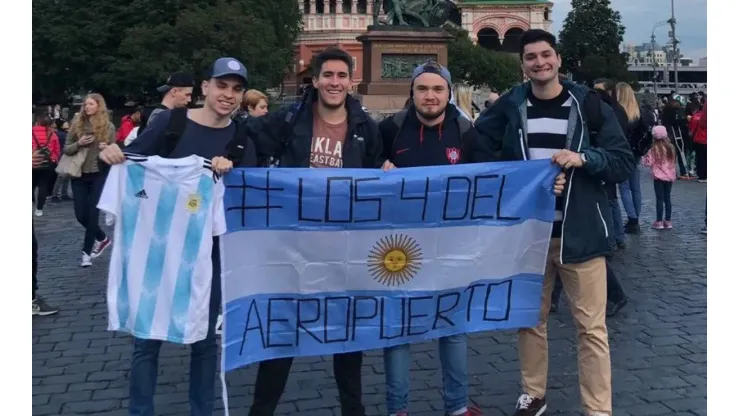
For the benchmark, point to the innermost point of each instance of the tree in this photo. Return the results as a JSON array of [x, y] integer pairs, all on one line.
[[122, 49], [590, 39], [478, 66]]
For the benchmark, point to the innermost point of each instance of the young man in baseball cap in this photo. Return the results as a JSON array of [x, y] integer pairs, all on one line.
[[208, 132], [177, 93]]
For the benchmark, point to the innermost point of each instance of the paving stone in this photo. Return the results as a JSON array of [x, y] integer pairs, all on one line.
[[658, 341]]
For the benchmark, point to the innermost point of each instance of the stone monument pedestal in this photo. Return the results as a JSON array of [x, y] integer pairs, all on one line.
[[389, 55]]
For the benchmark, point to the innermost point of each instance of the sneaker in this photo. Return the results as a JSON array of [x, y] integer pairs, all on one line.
[[86, 260], [469, 411], [99, 248], [599, 414], [667, 225], [56, 199], [658, 225], [702, 181], [39, 307], [219, 324], [621, 245], [704, 230], [39, 213], [530, 406], [632, 226]]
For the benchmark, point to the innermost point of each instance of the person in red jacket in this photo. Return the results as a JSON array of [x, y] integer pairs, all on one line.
[[46, 142], [127, 124], [698, 128]]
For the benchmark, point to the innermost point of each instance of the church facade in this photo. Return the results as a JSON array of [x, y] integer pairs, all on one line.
[[493, 24]]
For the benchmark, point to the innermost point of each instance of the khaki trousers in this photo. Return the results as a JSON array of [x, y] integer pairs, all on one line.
[[585, 285]]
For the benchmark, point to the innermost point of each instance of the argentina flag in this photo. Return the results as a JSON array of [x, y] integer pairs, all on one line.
[[322, 261]]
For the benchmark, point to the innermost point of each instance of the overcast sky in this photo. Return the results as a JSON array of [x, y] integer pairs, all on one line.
[[639, 16]]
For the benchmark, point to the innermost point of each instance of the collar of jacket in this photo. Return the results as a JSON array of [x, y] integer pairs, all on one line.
[[355, 114]]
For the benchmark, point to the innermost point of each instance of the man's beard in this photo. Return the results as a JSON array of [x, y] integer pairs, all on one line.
[[431, 116]]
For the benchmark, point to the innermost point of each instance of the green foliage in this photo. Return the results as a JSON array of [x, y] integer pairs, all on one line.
[[477, 66], [128, 49], [589, 42]]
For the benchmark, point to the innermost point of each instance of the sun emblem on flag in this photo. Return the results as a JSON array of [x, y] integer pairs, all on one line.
[[394, 260]]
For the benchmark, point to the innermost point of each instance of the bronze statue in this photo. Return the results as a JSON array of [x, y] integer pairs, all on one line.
[[419, 13]]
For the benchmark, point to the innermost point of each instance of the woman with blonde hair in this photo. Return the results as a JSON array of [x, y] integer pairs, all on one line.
[[636, 132], [463, 100], [254, 104], [91, 132]]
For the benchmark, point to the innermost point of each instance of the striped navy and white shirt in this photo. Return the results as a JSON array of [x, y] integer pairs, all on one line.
[[547, 128]]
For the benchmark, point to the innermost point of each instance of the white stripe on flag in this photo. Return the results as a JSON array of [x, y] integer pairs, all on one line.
[[269, 262]]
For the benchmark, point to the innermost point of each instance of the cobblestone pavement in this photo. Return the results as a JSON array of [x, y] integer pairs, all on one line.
[[658, 342]]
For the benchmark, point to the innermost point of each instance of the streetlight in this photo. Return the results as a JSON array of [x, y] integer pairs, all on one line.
[[655, 66], [674, 40]]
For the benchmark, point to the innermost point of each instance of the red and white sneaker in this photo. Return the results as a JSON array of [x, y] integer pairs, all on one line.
[[100, 247], [667, 225], [658, 225]]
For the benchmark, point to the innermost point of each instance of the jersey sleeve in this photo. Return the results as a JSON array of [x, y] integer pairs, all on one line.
[[219, 216], [110, 198]]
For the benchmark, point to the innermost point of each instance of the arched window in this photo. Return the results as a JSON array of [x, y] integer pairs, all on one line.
[[306, 6], [320, 6], [346, 6], [332, 6], [362, 7]]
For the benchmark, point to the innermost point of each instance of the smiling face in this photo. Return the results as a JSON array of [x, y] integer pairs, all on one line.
[[223, 95], [431, 95], [333, 83], [540, 62]]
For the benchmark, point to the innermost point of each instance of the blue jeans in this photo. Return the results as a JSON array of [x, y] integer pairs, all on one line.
[[662, 199], [203, 362], [617, 231], [453, 354], [631, 195]]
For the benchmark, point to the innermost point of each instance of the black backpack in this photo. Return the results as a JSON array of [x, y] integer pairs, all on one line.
[[236, 149], [644, 134]]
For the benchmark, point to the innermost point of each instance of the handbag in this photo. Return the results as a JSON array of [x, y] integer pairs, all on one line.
[[72, 165]]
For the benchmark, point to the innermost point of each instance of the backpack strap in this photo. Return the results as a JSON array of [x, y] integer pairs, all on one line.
[[173, 132], [463, 124], [594, 118], [286, 131], [398, 119]]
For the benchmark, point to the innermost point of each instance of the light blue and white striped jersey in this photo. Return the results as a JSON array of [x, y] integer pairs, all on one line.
[[166, 212]]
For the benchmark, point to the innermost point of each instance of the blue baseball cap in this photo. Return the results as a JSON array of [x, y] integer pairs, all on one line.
[[432, 67], [224, 67]]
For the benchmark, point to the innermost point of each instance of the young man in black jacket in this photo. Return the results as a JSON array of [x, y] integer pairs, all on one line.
[[545, 118], [327, 129], [430, 132]]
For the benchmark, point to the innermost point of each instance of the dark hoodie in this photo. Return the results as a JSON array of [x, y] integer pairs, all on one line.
[[286, 134], [416, 144]]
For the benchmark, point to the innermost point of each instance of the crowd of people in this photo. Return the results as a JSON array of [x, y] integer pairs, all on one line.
[[598, 138]]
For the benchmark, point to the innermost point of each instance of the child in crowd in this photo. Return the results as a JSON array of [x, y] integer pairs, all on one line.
[[661, 159]]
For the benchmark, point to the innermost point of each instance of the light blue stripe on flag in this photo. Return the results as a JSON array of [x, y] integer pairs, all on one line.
[[155, 259], [129, 216], [193, 240]]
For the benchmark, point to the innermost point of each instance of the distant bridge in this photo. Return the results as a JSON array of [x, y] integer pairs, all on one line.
[[690, 78]]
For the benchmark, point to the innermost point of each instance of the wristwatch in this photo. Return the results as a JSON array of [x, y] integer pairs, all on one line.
[[583, 158]]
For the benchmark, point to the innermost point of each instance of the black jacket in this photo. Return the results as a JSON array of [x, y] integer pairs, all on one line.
[[417, 145], [609, 159], [286, 135]]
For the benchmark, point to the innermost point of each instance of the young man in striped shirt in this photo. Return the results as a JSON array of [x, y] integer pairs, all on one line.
[[547, 118]]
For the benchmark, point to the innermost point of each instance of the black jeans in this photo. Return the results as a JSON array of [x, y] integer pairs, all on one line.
[[614, 291], [273, 374], [41, 179], [662, 198], [87, 189], [701, 160], [34, 263]]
